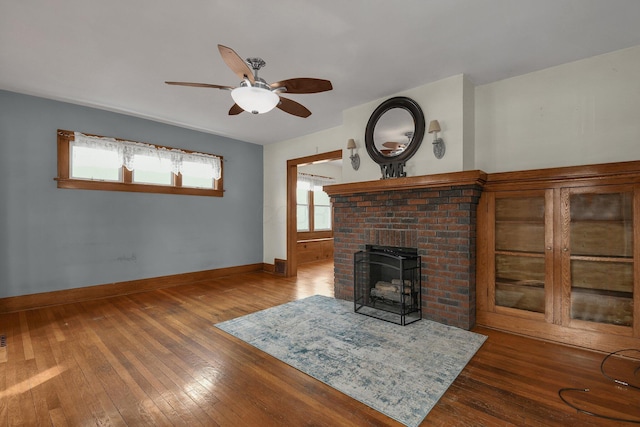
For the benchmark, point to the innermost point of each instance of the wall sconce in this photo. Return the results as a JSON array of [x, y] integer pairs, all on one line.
[[355, 158], [438, 143]]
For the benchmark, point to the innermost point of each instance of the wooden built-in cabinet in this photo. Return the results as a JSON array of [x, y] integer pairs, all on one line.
[[558, 254], [314, 250]]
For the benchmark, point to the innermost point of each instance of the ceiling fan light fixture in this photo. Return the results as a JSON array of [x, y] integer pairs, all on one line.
[[255, 100]]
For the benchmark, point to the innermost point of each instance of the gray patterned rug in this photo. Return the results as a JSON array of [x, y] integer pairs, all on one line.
[[400, 371]]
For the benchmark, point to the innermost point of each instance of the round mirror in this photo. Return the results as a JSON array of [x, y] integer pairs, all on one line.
[[395, 130]]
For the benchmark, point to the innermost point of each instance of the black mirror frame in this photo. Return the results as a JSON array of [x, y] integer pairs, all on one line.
[[418, 134]]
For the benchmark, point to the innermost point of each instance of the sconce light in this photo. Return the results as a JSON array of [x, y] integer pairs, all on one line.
[[355, 158], [438, 143]]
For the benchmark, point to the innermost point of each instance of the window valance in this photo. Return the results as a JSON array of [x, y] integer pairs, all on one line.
[[130, 152]]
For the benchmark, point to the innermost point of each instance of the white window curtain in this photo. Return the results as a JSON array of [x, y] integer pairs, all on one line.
[[313, 181], [127, 151]]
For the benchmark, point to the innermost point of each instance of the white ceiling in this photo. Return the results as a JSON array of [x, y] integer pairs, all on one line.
[[116, 54]]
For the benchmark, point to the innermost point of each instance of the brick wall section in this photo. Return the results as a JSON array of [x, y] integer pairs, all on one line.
[[440, 222]]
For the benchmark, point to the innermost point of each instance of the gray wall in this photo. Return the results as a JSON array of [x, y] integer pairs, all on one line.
[[52, 239]]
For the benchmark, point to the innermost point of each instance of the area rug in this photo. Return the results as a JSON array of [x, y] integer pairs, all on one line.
[[400, 371]]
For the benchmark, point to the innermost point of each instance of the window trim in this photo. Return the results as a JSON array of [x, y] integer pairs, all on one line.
[[64, 180]]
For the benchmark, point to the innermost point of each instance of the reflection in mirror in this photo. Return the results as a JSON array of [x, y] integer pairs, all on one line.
[[393, 132]]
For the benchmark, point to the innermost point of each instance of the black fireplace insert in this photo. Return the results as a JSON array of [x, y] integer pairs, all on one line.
[[387, 284]]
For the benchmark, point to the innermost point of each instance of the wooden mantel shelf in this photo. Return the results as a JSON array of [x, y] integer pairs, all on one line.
[[475, 177]]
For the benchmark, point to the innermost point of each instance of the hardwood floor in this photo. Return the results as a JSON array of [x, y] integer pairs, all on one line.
[[154, 358]]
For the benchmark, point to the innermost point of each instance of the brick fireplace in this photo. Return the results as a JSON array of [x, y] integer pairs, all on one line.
[[435, 214]]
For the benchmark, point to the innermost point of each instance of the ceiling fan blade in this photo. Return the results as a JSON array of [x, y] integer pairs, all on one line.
[[292, 107], [303, 85], [235, 110], [207, 85], [237, 64]]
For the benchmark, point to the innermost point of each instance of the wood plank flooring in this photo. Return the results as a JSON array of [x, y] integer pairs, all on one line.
[[153, 358]]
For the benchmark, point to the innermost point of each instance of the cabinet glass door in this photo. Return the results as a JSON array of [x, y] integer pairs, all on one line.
[[601, 257], [520, 252]]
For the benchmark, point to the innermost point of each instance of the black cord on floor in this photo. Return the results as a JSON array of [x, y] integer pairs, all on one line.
[[617, 381], [620, 382], [586, 390]]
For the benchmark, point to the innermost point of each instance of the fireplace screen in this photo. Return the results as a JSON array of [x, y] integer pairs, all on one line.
[[387, 284]]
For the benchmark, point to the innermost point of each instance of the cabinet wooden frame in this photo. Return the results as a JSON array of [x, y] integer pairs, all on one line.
[[557, 185], [567, 256], [64, 137], [488, 201]]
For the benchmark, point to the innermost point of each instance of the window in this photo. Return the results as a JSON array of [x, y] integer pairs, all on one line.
[[313, 207], [302, 199], [151, 170], [97, 163], [321, 210]]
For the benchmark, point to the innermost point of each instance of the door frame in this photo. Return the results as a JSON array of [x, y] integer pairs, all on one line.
[[292, 220]]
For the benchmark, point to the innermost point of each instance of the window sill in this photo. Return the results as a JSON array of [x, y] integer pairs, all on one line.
[[324, 239], [314, 235], [80, 184]]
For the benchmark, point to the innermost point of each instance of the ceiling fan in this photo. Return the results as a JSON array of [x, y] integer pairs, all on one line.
[[392, 148], [254, 94]]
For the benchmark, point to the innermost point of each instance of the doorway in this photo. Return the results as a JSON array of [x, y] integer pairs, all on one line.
[[292, 220]]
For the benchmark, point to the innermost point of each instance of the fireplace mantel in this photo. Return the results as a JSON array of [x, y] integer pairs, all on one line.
[[453, 179]]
